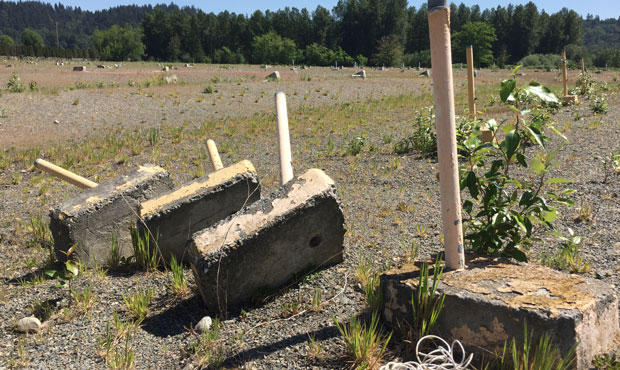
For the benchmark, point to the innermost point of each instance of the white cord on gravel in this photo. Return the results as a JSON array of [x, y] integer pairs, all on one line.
[[438, 359]]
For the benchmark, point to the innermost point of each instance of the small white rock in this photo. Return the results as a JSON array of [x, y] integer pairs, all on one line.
[[28, 325], [204, 324], [56, 121]]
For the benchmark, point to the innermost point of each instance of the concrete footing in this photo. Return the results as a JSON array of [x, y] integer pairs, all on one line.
[[270, 243], [492, 300], [97, 217], [174, 216]]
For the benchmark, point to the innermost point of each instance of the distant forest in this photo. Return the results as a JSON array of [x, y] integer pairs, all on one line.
[[374, 32]]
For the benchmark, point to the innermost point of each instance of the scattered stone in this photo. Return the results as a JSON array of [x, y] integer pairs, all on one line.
[[28, 325], [56, 121], [101, 66], [166, 69], [426, 73], [476, 73], [79, 69], [274, 76], [204, 324]]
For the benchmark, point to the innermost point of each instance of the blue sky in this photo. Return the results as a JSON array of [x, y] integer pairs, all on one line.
[[604, 9]]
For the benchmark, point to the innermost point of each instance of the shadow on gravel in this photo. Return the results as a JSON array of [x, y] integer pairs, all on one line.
[[177, 319], [262, 351]]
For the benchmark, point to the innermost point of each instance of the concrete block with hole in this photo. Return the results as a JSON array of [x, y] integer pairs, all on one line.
[[492, 300], [97, 217], [269, 244], [175, 215]]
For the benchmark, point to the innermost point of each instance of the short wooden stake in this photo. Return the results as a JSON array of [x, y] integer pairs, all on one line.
[[63, 174], [443, 92], [564, 73], [284, 140], [470, 82], [216, 161]]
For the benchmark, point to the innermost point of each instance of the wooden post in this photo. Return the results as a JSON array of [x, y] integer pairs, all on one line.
[[63, 174], [564, 73], [284, 140], [583, 67], [216, 161], [471, 90], [443, 92]]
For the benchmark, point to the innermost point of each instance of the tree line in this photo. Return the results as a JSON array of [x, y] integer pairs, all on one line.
[[376, 32]]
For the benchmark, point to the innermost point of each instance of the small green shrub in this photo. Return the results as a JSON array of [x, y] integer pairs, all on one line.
[[424, 139], [598, 105], [356, 145], [568, 258], [15, 84], [208, 89]]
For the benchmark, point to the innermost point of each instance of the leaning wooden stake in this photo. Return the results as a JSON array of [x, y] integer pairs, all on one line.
[[284, 140], [216, 161], [441, 59], [63, 174], [470, 82]]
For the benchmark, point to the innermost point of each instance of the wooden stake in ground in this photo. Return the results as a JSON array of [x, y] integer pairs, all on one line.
[[564, 74], [471, 90], [216, 161], [284, 140], [583, 67], [443, 92], [61, 173]]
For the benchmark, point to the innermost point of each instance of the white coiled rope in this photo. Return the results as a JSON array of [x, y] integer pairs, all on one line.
[[441, 358]]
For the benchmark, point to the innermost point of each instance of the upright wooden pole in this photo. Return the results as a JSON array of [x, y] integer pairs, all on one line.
[[216, 161], [443, 92], [583, 67], [61, 173], [564, 74], [284, 140], [470, 82]]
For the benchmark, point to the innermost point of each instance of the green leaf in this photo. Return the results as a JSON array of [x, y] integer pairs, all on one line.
[[508, 128], [472, 183], [559, 133], [537, 166], [557, 180], [72, 267], [550, 216], [518, 255], [536, 134], [514, 71], [506, 88], [522, 160], [512, 143], [51, 273], [541, 92]]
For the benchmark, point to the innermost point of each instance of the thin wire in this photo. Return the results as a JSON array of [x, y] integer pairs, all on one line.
[[442, 358]]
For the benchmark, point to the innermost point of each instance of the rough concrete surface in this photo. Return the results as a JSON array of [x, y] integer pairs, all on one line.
[[175, 215], [270, 243], [97, 216], [492, 300]]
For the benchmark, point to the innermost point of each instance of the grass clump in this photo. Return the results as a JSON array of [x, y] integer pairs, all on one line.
[[207, 350], [146, 256], [177, 280], [137, 305], [568, 257], [365, 344], [423, 139]]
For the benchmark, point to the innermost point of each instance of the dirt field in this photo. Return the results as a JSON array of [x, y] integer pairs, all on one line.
[[102, 122]]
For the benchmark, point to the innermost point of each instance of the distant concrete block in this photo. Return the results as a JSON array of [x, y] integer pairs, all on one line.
[[491, 301], [96, 216], [79, 69], [570, 100], [361, 74], [175, 215], [273, 76], [269, 243]]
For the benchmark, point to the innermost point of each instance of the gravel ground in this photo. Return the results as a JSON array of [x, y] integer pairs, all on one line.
[[388, 201]]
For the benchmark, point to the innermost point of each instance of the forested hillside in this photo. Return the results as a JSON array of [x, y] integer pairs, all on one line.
[[379, 32]]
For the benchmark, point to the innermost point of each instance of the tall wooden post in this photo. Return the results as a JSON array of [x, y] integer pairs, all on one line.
[[564, 73], [471, 90], [583, 67], [443, 92]]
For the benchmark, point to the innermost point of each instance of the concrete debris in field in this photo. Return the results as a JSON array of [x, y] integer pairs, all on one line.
[[273, 76], [28, 325]]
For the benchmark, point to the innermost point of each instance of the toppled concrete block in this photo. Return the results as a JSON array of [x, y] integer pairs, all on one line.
[[273, 76], [491, 301], [270, 243], [97, 216], [361, 74], [175, 215], [79, 69]]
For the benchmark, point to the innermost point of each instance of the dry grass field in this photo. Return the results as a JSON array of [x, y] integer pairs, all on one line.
[[102, 122]]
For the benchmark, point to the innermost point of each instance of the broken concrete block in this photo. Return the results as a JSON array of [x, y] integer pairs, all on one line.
[[96, 217], [175, 215], [270, 243], [79, 69], [361, 74], [273, 76], [491, 301]]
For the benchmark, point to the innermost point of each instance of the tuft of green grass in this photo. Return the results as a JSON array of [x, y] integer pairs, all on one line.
[[207, 350], [177, 280], [84, 298], [137, 305], [145, 255], [364, 344]]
